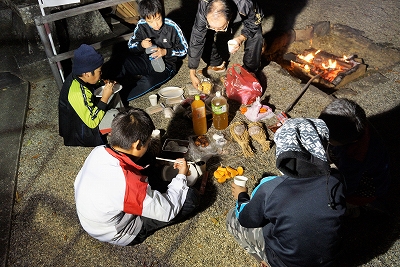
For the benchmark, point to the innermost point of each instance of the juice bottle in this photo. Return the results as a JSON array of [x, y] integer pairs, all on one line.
[[220, 111], [199, 116]]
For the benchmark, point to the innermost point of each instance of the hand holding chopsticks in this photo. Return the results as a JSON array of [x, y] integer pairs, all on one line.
[[174, 160]]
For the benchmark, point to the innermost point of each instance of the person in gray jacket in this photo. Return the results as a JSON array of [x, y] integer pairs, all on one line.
[[213, 26], [293, 219]]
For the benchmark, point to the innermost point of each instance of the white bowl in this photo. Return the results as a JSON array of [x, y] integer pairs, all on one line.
[[170, 92], [99, 91], [168, 173]]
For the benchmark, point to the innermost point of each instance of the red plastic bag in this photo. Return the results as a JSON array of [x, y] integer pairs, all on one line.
[[241, 85]]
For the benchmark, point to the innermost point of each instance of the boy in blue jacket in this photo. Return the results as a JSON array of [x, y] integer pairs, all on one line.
[[170, 45], [293, 219]]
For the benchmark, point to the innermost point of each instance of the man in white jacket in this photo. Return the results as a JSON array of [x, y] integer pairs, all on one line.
[[114, 200]]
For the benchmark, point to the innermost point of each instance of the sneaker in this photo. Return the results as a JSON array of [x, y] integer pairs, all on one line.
[[217, 69], [212, 69]]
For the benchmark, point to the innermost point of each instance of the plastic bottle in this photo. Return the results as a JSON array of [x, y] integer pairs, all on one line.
[[157, 63], [199, 116], [220, 108]]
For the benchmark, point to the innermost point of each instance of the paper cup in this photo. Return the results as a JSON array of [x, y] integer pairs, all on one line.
[[240, 180], [231, 45], [156, 134], [200, 167], [153, 100]]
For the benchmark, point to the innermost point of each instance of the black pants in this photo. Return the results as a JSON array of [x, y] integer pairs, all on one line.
[[216, 48], [150, 225], [140, 65]]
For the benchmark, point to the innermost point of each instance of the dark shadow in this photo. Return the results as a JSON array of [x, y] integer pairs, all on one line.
[[283, 12], [184, 16], [60, 209], [113, 66], [281, 35], [276, 44], [375, 232]]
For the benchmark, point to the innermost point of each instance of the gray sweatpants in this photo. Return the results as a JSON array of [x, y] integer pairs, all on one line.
[[251, 239]]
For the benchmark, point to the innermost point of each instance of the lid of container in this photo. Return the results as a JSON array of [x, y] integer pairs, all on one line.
[[218, 94], [196, 97]]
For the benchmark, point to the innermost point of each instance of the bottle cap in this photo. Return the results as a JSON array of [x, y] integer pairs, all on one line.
[[196, 97], [218, 94]]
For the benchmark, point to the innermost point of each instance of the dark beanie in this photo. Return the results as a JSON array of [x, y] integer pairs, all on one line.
[[86, 59]]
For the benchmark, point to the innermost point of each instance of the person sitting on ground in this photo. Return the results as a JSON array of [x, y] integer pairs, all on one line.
[[114, 200], [170, 45], [293, 219], [80, 111], [358, 152], [213, 27]]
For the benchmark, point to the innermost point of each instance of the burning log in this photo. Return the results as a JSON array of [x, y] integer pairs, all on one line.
[[335, 71]]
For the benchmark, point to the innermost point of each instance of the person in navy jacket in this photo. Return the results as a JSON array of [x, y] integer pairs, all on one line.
[[293, 219]]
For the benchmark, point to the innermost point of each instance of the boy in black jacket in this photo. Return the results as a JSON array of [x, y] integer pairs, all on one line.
[[170, 45], [80, 113], [293, 219]]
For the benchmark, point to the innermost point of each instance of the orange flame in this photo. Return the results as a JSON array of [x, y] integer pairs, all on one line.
[[329, 68]]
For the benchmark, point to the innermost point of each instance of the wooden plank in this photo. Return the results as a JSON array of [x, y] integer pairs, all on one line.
[[40, 20], [98, 45]]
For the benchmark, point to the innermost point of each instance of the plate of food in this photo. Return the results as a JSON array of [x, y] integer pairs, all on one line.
[[170, 92], [99, 91]]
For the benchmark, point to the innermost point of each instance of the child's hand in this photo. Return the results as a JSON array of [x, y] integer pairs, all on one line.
[[158, 52], [236, 190], [182, 166], [107, 91], [146, 43]]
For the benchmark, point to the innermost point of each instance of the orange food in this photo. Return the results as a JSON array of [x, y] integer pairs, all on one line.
[[221, 180], [224, 173], [232, 172], [219, 174], [263, 110], [243, 109], [240, 170]]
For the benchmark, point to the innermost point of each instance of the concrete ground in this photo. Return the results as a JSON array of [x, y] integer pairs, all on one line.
[[43, 226]]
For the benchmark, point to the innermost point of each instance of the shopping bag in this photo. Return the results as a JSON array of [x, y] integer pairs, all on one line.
[[241, 85]]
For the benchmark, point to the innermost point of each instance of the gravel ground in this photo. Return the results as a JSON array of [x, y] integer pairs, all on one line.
[[46, 230]]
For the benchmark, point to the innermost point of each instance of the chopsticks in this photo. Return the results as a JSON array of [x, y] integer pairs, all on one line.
[[174, 160]]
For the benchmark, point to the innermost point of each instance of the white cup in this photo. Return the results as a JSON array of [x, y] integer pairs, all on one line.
[[231, 45], [156, 134], [240, 180], [153, 100], [200, 167], [168, 113]]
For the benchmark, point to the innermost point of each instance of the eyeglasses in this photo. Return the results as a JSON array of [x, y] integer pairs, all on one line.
[[220, 29]]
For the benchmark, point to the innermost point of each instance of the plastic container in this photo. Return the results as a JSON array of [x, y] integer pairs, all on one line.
[[157, 63], [220, 108], [199, 116], [175, 148]]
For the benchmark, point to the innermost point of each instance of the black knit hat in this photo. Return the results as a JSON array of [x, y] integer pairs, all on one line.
[[86, 59]]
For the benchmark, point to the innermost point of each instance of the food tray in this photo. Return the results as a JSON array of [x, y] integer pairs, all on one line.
[[175, 148]]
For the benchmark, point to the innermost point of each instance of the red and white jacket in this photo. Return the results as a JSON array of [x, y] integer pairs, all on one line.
[[111, 195]]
